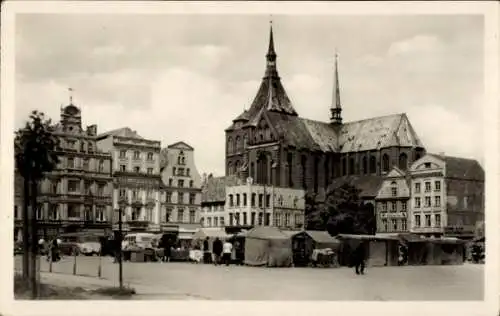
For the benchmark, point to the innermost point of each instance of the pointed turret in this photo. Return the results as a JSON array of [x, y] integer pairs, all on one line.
[[336, 108], [271, 70]]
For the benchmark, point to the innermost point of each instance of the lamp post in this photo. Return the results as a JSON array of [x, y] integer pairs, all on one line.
[[120, 238]]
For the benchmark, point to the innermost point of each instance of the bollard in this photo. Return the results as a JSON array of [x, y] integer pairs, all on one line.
[[74, 261], [50, 263]]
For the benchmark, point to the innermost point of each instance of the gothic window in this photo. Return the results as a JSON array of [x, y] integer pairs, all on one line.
[[262, 165], [403, 161], [237, 167], [303, 163], [245, 141], [289, 159], [316, 173], [385, 163], [351, 166], [238, 144], [373, 164], [252, 170], [229, 145], [365, 165], [229, 168]]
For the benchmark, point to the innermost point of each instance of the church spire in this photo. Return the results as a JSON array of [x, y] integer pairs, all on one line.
[[336, 108], [271, 70]]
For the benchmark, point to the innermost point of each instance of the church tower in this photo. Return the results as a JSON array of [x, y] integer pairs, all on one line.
[[336, 108]]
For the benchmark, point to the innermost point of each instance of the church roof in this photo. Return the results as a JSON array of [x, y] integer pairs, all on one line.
[[369, 185], [378, 132]]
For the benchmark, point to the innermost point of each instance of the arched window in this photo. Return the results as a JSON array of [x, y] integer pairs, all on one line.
[[236, 167], [303, 163], [327, 172], [365, 165], [229, 169], [229, 145], [289, 160], [403, 161], [373, 164], [385, 163], [316, 173], [394, 189], [262, 165], [238, 144], [351, 166], [252, 170], [245, 141]]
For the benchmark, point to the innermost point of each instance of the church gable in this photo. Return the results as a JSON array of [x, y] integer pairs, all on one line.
[[428, 163], [181, 146], [404, 135], [395, 173], [394, 186]]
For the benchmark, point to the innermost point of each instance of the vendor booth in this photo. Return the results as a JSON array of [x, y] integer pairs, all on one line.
[[268, 246], [439, 251], [311, 246], [380, 250]]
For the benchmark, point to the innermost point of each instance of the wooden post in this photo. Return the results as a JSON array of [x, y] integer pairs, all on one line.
[[49, 255], [74, 261], [99, 268]]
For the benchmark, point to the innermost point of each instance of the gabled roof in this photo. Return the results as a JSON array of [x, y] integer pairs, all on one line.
[[395, 173], [461, 168], [214, 189], [242, 117], [121, 132], [180, 145], [369, 185]]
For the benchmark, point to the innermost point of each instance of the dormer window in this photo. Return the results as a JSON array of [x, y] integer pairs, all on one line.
[[427, 165]]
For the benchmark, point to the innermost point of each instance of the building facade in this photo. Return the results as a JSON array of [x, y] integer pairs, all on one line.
[[213, 211], [137, 180], [251, 205], [270, 143], [447, 196], [181, 189], [391, 203], [77, 195]]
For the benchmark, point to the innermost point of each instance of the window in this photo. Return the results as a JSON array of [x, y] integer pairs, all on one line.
[[209, 222], [181, 198], [427, 220], [71, 144], [260, 218], [87, 214], [268, 200], [123, 168], [149, 194], [253, 200], [191, 183], [150, 156], [216, 222], [73, 211], [187, 172], [466, 204], [427, 165], [150, 170], [244, 199], [252, 218], [192, 216], [417, 187], [403, 206], [180, 172], [100, 189], [231, 201], [100, 214], [55, 185], [136, 212], [170, 182], [137, 169], [221, 221], [267, 219], [123, 193], [427, 201], [85, 164], [137, 155], [403, 161], [245, 218], [437, 186], [134, 194], [16, 214], [123, 154], [53, 212], [287, 219], [231, 219], [373, 164], [168, 197], [180, 183], [427, 186], [90, 148], [417, 202], [73, 186], [192, 198], [351, 166], [437, 220], [417, 221], [101, 165], [174, 170], [237, 218], [437, 201], [180, 216], [393, 206], [385, 163], [168, 215], [261, 198], [237, 200], [71, 163], [385, 225], [394, 224], [394, 191], [384, 206], [404, 224]]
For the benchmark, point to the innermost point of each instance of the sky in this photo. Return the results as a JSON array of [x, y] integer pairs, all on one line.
[[185, 77]]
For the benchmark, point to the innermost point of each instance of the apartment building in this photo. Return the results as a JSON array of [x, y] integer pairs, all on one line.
[[213, 213], [136, 172]]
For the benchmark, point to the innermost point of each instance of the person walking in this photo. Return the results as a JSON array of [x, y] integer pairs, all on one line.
[[227, 250], [217, 250], [359, 258], [206, 251], [166, 249]]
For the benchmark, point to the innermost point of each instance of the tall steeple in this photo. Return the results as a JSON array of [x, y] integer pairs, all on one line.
[[336, 108], [271, 70]]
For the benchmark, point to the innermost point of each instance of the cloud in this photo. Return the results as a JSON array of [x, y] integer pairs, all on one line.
[[416, 44]]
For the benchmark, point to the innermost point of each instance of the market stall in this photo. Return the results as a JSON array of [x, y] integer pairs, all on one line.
[[268, 246]]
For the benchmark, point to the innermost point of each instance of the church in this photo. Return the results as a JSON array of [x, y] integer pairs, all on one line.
[[273, 145]]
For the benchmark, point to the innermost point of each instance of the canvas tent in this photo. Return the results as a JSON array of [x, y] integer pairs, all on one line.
[[268, 246], [304, 243], [212, 233], [380, 250]]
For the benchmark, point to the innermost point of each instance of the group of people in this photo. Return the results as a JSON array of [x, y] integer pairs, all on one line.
[[220, 254], [50, 248]]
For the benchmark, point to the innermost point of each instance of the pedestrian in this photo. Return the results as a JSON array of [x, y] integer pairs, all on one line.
[[206, 251], [227, 250], [54, 250], [217, 250], [166, 248], [359, 258]]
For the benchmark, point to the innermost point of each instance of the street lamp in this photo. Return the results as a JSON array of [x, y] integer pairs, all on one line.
[[120, 238]]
